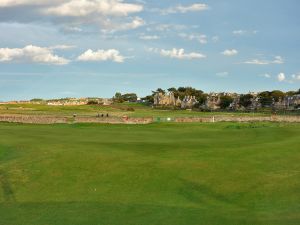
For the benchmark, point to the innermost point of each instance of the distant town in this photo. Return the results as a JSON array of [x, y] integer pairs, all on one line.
[[188, 98]]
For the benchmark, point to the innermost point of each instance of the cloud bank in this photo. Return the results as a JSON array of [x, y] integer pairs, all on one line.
[[31, 53], [109, 15]]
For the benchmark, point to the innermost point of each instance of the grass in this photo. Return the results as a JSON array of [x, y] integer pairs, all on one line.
[[157, 174], [140, 110]]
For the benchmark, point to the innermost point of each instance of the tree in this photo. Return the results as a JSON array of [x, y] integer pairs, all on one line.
[[189, 91], [225, 101], [37, 100], [159, 90], [277, 95], [129, 97], [149, 99], [266, 99], [118, 98], [246, 100], [92, 102], [291, 93], [181, 89], [118, 95], [201, 98], [172, 89]]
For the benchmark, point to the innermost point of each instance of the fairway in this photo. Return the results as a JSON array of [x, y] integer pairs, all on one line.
[[156, 174]]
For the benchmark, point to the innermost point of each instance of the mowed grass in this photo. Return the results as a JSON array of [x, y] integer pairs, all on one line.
[[157, 174]]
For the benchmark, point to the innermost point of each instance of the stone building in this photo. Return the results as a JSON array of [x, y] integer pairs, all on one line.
[[188, 102], [235, 105], [169, 99], [255, 104], [178, 102], [292, 102], [280, 104], [212, 101], [164, 99]]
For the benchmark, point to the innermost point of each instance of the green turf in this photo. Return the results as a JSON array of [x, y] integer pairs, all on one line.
[[157, 174], [140, 110]]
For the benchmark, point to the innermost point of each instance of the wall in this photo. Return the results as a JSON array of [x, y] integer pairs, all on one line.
[[38, 119]]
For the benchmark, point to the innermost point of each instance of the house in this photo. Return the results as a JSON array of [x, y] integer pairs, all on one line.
[[292, 102], [169, 99]]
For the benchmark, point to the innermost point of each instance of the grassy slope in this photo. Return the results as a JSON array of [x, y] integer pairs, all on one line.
[[114, 110], [155, 174]]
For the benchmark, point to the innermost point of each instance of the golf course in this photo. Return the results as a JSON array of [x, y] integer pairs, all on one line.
[[155, 174]]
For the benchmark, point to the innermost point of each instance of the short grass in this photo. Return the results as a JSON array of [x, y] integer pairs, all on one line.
[[157, 174]]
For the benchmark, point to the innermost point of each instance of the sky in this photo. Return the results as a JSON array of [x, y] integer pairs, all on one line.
[[88, 48]]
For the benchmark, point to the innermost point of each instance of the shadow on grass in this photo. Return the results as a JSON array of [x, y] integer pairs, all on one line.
[[99, 213], [8, 193], [201, 194]]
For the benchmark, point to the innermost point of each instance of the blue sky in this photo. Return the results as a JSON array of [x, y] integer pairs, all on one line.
[[80, 48]]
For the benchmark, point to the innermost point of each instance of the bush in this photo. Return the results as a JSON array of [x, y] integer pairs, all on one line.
[[130, 109], [92, 102], [225, 102]]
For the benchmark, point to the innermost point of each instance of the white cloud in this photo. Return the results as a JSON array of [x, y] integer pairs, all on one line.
[[79, 8], [266, 75], [230, 52], [222, 74], [149, 37], [13, 3], [185, 9], [109, 26], [244, 32], [199, 37], [296, 77], [257, 62], [33, 54], [281, 77], [102, 55], [276, 60], [180, 54], [135, 23], [166, 27], [238, 32], [62, 47], [109, 15]]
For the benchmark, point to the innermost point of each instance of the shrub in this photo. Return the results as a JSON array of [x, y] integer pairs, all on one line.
[[130, 109], [92, 102]]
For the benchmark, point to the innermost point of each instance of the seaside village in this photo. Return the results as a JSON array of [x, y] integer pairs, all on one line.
[[161, 100], [213, 101]]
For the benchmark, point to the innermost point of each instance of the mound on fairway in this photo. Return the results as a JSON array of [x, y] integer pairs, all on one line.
[[158, 174]]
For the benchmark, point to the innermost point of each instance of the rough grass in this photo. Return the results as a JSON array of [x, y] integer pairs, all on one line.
[[140, 110], [223, 173]]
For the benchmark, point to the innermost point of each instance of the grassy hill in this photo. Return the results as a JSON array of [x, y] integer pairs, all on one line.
[[157, 174], [130, 109]]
